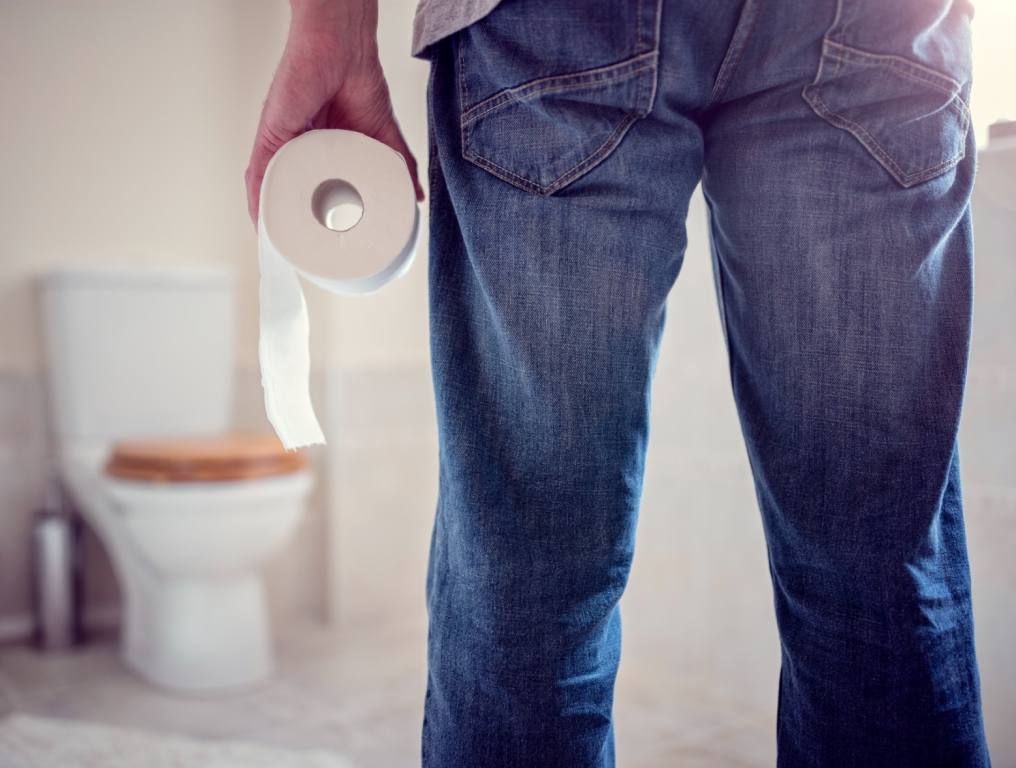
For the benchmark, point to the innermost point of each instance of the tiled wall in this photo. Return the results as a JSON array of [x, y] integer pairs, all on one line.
[[384, 489], [214, 62], [988, 451], [23, 468]]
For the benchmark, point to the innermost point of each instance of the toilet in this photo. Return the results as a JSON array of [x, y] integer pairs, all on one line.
[[140, 378]]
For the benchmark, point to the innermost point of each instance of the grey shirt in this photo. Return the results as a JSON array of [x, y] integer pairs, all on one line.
[[435, 19]]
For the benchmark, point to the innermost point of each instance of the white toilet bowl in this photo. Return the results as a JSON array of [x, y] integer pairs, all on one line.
[[147, 353], [188, 558]]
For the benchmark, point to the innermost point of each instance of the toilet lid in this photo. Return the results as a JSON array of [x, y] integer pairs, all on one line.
[[217, 458]]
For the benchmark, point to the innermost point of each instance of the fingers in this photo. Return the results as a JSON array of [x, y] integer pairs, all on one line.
[[296, 103], [267, 142], [270, 139], [391, 134]]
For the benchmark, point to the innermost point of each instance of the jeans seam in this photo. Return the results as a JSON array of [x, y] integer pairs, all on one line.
[[424, 741], [732, 57], [655, 42], [838, 53], [898, 64], [638, 24], [873, 146], [636, 66], [431, 135], [597, 76], [461, 87], [564, 178]]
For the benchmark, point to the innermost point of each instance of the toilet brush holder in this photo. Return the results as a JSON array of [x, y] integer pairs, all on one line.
[[56, 577]]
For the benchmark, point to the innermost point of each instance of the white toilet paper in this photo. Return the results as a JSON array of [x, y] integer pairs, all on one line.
[[309, 224]]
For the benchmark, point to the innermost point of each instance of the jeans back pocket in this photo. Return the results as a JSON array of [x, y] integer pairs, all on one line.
[[535, 119], [908, 109]]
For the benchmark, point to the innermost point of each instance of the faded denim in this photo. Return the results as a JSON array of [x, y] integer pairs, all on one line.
[[833, 143]]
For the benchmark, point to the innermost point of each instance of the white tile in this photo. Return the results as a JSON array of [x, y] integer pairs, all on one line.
[[7, 702], [126, 700], [23, 468], [383, 405], [369, 696], [303, 643], [752, 744], [361, 685], [27, 670], [991, 533], [653, 714], [384, 501], [987, 450], [693, 756], [328, 734]]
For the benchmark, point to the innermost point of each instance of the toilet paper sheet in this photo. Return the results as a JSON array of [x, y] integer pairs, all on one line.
[[312, 188]]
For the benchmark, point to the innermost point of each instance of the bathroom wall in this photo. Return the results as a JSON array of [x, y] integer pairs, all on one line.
[[380, 420], [130, 130], [126, 129]]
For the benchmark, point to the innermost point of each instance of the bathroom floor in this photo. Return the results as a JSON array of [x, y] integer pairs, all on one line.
[[360, 693]]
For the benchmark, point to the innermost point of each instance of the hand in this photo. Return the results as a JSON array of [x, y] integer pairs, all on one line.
[[329, 77]]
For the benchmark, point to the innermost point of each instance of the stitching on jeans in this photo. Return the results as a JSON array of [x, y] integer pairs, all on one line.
[[602, 151], [732, 58], [508, 99], [460, 73], [634, 66], [869, 141], [432, 158], [638, 93], [557, 83], [658, 15], [839, 53], [638, 25], [834, 28], [898, 64], [460, 78], [564, 178]]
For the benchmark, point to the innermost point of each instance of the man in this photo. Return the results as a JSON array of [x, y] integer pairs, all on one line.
[[832, 139]]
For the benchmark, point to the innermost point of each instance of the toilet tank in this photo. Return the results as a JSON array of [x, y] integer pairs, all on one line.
[[139, 351]]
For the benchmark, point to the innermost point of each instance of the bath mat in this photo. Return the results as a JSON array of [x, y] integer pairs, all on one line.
[[34, 742]]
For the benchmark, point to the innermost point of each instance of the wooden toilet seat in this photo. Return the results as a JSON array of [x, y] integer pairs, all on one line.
[[220, 458]]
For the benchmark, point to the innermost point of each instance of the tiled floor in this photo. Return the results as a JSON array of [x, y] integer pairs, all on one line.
[[360, 693]]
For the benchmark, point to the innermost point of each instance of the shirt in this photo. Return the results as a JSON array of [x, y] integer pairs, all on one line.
[[435, 19]]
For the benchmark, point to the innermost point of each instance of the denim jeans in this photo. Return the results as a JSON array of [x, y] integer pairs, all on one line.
[[832, 141]]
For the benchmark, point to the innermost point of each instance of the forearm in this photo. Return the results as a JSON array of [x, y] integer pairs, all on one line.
[[347, 18], [329, 76]]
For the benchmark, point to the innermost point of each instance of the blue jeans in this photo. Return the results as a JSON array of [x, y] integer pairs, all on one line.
[[832, 141]]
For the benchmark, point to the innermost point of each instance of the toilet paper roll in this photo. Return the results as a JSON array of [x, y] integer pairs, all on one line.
[[310, 225]]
